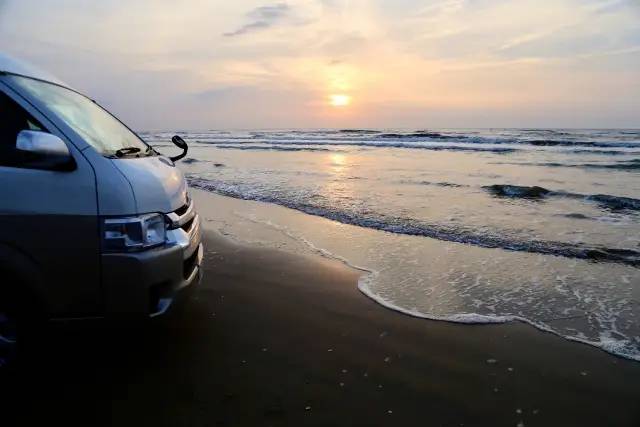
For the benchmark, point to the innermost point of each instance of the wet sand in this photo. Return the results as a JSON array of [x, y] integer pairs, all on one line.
[[274, 339]]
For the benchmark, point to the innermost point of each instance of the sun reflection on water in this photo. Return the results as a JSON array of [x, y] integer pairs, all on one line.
[[339, 190]]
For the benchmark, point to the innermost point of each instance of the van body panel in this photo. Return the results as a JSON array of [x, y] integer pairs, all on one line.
[[115, 193], [51, 217], [64, 250], [157, 184]]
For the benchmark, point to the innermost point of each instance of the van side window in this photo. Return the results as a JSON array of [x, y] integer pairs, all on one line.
[[13, 119]]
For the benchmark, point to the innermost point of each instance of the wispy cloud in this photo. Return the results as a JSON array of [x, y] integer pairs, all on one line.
[[609, 6], [525, 38], [261, 18]]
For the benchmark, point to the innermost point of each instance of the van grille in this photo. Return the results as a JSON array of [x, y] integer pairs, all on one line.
[[182, 216], [182, 210], [187, 225]]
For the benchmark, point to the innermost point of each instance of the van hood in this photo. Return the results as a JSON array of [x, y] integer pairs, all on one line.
[[158, 186]]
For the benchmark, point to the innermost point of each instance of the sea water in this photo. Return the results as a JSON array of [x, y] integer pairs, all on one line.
[[476, 226]]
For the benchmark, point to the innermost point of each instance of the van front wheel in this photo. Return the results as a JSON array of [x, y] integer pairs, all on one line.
[[8, 329], [8, 338], [18, 320]]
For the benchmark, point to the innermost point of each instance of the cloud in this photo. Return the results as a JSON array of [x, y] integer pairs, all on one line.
[[261, 18], [456, 62], [612, 6]]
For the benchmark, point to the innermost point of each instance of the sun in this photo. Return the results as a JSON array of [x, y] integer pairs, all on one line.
[[339, 100]]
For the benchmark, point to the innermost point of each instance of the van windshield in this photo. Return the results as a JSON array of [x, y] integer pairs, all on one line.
[[97, 126]]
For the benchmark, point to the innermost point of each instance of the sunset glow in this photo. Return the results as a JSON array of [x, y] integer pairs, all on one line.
[[339, 100]]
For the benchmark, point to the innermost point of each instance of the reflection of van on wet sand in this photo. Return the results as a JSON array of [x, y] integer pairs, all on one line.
[[93, 221]]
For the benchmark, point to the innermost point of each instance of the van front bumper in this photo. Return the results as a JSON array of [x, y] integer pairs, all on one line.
[[146, 283]]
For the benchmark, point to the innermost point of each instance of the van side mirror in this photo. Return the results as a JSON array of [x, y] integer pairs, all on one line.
[[42, 150], [180, 143]]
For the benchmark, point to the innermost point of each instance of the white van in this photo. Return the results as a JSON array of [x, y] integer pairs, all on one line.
[[93, 221]]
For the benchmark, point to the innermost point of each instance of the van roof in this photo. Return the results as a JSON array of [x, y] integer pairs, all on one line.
[[14, 66]]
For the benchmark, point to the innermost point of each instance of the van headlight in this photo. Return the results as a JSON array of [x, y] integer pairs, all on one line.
[[134, 233]]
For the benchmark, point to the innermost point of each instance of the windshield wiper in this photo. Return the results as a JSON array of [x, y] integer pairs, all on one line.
[[127, 150]]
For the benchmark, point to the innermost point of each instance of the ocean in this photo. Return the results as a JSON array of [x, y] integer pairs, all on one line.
[[464, 225]]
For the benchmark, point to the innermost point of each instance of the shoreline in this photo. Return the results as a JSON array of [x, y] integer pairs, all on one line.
[[207, 197], [479, 319]]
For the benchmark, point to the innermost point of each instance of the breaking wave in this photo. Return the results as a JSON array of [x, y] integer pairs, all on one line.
[[414, 227], [535, 192], [272, 148], [623, 165]]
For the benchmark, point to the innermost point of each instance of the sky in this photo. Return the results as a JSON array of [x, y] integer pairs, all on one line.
[[245, 64]]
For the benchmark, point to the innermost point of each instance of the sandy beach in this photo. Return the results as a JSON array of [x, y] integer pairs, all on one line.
[[274, 338]]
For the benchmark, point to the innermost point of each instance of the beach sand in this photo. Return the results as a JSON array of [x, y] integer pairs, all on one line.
[[273, 338]]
